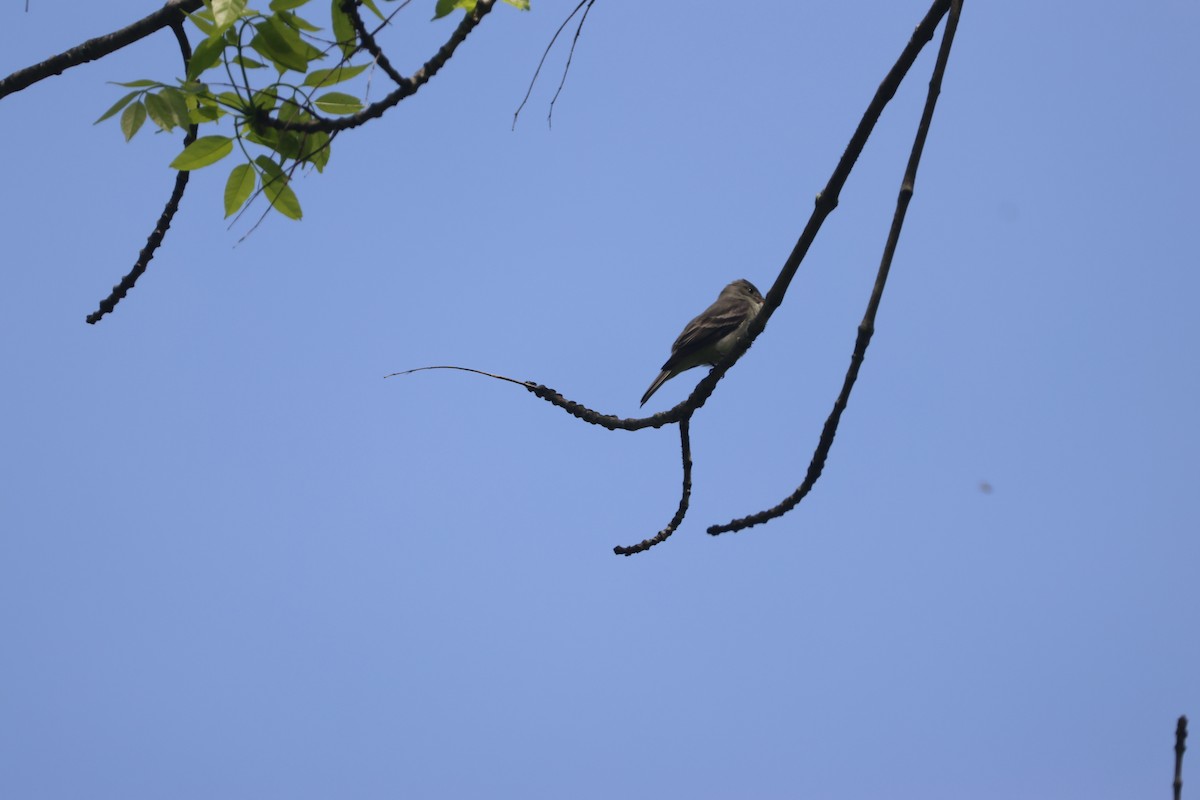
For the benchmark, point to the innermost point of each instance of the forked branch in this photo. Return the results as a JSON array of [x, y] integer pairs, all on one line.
[[826, 202], [867, 327]]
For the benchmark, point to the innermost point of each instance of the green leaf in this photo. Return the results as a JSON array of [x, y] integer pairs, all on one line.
[[132, 119], [521, 4], [226, 12], [275, 187], [117, 106], [328, 77], [339, 103], [316, 150], [285, 202], [248, 63], [444, 7], [239, 187], [177, 100], [141, 84], [201, 114], [374, 8], [286, 5], [159, 111], [231, 100], [264, 99], [296, 22], [204, 21], [281, 45], [202, 152], [289, 110], [343, 31], [206, 54]]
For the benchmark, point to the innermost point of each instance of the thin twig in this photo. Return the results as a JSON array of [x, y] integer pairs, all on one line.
[[584, 413], [1180, 739], [681, 512], [567, 67], [545, 53], [164, 220], [460, 369], [867, 327]]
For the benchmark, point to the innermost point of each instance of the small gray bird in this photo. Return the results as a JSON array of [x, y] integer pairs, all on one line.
[[710, 336]]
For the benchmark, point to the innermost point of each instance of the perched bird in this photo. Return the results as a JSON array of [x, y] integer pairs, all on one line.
[[710, 336]]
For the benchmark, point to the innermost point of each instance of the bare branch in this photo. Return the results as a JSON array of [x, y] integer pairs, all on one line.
[[542, 61], [1180, 739], [685, 444], [567, 67], [867, 327], [164, 220], [171, 12]]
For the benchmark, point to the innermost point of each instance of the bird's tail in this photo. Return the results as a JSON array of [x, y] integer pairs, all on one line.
[[659, 381]]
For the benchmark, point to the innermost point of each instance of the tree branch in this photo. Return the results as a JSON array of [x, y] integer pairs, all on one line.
[[1180, 739], [867, 327], [368, 42], [99, 47], [681, 512], [406, 88], [164, 220]]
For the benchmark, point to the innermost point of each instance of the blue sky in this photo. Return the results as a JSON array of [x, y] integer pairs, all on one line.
[[237, 562]]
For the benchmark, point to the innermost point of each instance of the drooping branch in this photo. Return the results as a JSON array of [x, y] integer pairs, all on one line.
[[685, 444], [164, 220], [867, 327], [99, 47]]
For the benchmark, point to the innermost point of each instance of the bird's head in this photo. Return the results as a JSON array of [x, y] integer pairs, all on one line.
[[743, 288]]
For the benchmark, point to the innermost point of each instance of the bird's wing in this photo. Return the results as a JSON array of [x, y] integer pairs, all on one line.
[[720, 320]]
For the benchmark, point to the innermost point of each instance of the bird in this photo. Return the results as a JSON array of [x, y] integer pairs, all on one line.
[[709, 337]]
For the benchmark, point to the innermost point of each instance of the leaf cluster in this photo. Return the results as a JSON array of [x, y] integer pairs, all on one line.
[[251, 65]]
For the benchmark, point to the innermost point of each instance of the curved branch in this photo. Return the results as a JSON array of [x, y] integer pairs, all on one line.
[[406, 88], [173, 11], [867, 327], [644, 545], [164, 220], [368, 42]]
